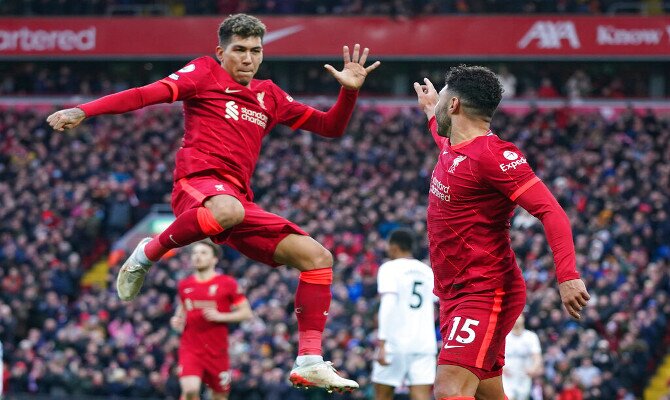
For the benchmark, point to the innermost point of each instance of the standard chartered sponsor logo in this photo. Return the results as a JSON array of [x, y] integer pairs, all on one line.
[[25, 39], [513, 164], [255, 117], [439, 190], [232, 111], [235, 112]]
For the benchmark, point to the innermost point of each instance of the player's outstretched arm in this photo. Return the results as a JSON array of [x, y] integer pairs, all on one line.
[[117, 103], [66, 119], [354, 71], [427, 97], [539, 201]]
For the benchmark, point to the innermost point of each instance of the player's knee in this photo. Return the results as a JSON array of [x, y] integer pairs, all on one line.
[[321, 258], [191, 394], [227, 210], [443, 390]]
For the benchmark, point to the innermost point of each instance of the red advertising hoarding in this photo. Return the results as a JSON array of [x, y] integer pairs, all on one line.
[[321, 37]]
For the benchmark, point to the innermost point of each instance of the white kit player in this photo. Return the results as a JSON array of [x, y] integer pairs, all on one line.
[[407, 344], [523, 361]]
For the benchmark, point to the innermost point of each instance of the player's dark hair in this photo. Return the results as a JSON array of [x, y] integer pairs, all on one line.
[[478, 87], [242, 25], [403, 238], [215, 247]]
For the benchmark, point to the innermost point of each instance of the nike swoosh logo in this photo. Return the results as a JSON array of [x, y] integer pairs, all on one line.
[[174, 241], [325, 313], [281, 33], [446, 346], [229, 90]]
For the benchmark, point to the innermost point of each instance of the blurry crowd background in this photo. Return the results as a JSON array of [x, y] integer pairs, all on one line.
[[393, 8], [553, 80], [66, 196]]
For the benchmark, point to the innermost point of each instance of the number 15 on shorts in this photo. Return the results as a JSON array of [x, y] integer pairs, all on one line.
[[462, 333]]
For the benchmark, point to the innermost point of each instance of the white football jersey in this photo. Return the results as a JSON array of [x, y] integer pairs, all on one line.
[[518, 354], [412, 327]]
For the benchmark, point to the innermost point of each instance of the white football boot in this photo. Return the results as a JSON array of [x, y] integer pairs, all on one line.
[[131, 275], [323, 375]]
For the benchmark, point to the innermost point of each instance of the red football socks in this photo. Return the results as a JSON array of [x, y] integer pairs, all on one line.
[[312, 300], [191, 226]]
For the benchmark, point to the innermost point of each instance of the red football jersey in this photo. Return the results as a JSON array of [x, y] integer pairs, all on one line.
[[471, 202], [220, 292], [224, 121]]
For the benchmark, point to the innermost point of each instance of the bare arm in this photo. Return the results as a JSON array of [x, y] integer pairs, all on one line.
[[178, 320], [239, 312], [536, 367], [386, 307]]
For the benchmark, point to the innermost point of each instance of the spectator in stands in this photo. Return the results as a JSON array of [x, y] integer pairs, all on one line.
[[611, 177]]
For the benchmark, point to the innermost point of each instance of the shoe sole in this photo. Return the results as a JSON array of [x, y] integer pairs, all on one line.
[[301, 383]]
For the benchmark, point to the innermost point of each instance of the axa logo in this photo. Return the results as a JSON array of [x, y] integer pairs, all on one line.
[[551, 35], [455, 164], [232, 111]]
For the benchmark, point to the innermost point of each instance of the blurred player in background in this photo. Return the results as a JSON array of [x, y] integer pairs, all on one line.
[[475, 186], [227, 114], [407, 344], [523, 361], [208, 302]]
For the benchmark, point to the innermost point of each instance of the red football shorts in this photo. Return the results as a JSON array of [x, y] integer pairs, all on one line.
[[214, 370], [257, 236], [474, 327]]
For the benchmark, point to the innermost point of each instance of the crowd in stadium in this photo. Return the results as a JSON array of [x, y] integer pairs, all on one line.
[[396, 8], [61, 191], [549, 82]]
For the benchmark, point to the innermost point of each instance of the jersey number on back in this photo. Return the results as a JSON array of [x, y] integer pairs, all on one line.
[[415, 293]]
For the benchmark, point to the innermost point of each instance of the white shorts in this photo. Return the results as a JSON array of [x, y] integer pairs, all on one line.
[[517, 389], [408, 369]]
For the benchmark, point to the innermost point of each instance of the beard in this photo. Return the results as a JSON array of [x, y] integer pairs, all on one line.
[[443, 125]]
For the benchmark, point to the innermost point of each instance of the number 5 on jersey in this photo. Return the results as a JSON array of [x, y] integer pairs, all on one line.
[[465, 335]]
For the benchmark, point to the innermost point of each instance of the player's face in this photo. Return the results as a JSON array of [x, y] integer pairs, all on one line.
[[203, 257], [520, 322], [442, 113], [241, 58]]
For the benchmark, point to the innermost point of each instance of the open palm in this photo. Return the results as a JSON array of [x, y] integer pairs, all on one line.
[[354, 71]]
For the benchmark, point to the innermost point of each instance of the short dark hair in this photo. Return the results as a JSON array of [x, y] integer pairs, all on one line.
[[478, 87], [242, 25], [215, 247], [403, 238]]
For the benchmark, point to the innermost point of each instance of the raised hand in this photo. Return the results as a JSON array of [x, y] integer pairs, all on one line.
[[574, 296], [66, 119], [427, 97], [354, 71]]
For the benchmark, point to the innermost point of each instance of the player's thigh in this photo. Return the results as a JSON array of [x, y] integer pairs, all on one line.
[[392, 374], [384, 392], [474, 328], [190, 385], [302, 252], [490, 389], [219, 395], [454, 381], [217, 374], [421, 392], [261, 233], [190, 366], [195, 191], [421, 369], [227, 209]]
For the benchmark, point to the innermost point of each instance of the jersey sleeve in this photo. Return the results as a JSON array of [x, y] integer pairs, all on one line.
[[504, 167], [439, 140], [290, 112], [385, 281], [184, 83]]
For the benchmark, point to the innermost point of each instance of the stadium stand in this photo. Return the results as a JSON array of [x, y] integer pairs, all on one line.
[[66, 197], [402, 8]]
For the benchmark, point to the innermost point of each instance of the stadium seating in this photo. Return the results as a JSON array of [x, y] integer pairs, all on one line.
[[65, 197]]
